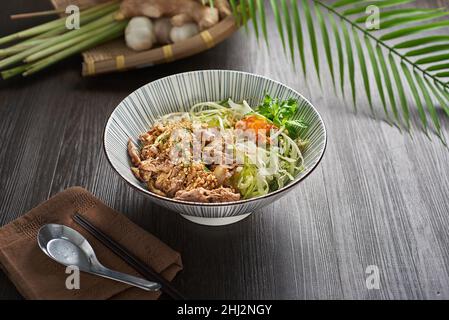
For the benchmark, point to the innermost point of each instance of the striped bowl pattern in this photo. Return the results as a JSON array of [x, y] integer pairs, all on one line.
[[136, 113]]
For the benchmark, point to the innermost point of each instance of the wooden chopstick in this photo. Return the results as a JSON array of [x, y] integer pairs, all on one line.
[[130, 259]]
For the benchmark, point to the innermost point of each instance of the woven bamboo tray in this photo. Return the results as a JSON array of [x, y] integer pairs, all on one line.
[[116, 56]]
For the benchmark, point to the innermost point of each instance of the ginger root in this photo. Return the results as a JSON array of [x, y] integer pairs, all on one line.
[[180, 11], [223, 7]]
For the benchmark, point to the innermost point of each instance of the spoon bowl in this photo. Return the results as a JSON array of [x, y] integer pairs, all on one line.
[[65, 245], [68, 247]]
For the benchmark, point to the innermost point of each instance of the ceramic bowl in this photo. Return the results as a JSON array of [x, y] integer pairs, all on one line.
[[138, 111]]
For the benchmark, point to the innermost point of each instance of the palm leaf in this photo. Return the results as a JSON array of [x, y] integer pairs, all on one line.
[[415, 94], [379, 4], [441, 99], [377, 75], [342, 3], [362, 64], [235, 11], [278, 19], [436, 67], [445, 95], [263, 20], [398, 12], [244, 13], [326, 41], [388, 84], [427, 50], [339, 52], [429, 103], [443, 92], [420, 41], [400, 87], [288, 25], [312, 37], [299, 35], [436, 58], [442, 74], [411, 18], [350, 57], [252, 9], [415, 29], [376, 54]]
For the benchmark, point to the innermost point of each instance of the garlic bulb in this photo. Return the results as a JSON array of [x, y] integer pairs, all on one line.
[[183, 32], [139, 34], [162, 28]]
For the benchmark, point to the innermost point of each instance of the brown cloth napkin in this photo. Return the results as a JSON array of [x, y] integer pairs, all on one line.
[[36, 276]]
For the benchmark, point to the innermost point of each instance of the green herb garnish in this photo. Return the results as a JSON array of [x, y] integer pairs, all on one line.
[[280, 113]]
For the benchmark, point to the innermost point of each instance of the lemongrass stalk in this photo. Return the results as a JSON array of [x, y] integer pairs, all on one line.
[[110, 33], [30, 42], [10, 51], [32, 31], [85, 16], [52, 24], [14, 71], [43, 36], [51, 33], [106, 20], [20, 47], [84, 19], [65, 44]]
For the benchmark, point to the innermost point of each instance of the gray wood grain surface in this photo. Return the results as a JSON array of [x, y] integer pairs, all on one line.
[[379, 196]]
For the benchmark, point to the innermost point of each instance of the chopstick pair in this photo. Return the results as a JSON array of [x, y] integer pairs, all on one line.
[[130, 259]]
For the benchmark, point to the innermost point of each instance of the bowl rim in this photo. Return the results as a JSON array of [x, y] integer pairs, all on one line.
[[285, 188]]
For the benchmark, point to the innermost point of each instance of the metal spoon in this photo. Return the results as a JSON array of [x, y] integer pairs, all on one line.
[[70, 248]]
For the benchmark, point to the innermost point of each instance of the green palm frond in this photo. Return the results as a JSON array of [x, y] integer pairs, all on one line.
[[288, 26], [401, 92], [299, 36], [363, 68], [387, 80], [339, 46], [252, 9], [403, 60], [377, 76], [326, 41], [380, 4], [244, 13], [399, 13], [410, 18], [414, 90], [415, 29], [428, 49], [350, 57], [420, 41], [436, 67], [312, 37]]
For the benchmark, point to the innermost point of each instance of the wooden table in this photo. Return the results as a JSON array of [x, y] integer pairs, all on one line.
[[379, 197]]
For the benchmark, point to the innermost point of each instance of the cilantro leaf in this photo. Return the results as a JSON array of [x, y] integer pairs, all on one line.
[[281, 112], [286, 111], [294, 127], [268, 108]]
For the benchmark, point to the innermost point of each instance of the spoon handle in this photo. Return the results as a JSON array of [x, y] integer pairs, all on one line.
[[126, 278]]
